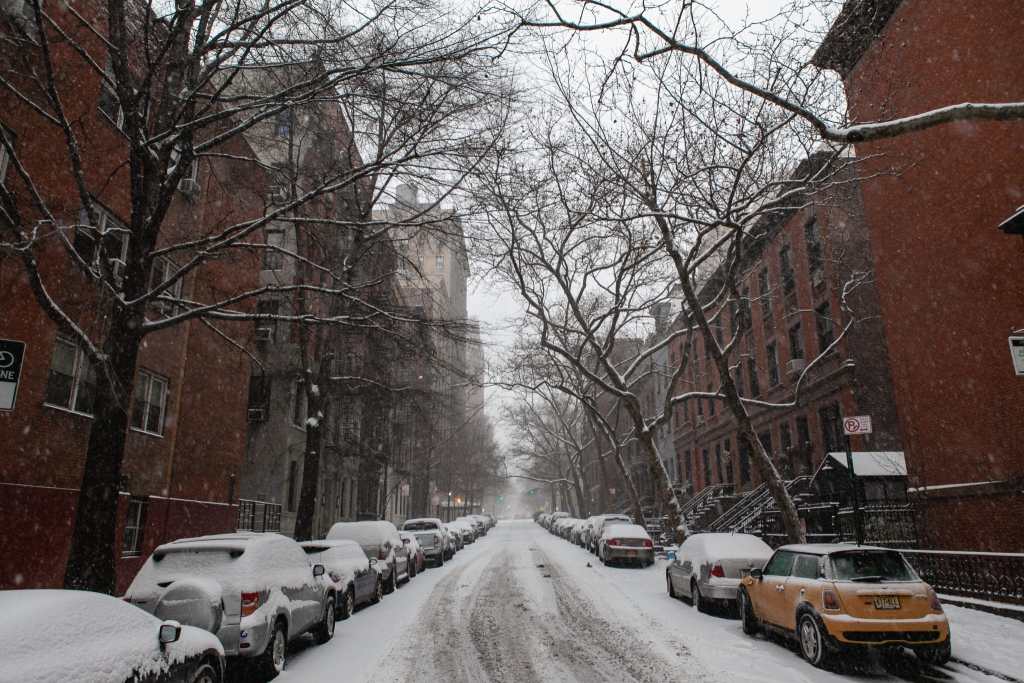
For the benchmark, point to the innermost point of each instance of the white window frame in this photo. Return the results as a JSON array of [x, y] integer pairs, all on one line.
[[164, 266], [106, 218], [146, 382], [134, 531], [80, 367], [439, 262], [107, 87], [193, 170], [274, 255]]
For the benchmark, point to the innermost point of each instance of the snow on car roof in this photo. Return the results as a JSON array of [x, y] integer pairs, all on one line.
[[728, 546], [64, 635], [364, 533], [625, 531], [828, 548]]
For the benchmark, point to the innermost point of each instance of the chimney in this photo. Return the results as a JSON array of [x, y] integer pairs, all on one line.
[[407, 195]]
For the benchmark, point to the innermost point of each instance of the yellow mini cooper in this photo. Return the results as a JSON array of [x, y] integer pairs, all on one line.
[[839, 597]]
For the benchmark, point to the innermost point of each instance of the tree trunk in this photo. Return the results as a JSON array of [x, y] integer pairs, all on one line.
[[92, 556], [578, 486], [306, 512]]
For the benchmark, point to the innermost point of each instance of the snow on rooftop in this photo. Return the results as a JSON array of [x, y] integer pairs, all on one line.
[[873, 463]]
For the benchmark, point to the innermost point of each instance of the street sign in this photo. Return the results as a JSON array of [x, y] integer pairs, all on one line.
[[1017, 353], [857, 424], [12, 353]]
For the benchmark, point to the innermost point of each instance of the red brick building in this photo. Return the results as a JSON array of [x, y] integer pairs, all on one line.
[[949, 282], [790, 281], [188, 417]]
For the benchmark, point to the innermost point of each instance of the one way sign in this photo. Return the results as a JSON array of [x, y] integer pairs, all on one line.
[[12, 353]]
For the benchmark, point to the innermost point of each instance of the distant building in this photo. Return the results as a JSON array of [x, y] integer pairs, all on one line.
[[949, 281]]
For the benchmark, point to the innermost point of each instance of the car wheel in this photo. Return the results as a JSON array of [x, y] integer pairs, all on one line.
[[392, 584], [812, 640], [347, 605], [206, 673], [378, 592], [671, 588], [750, 625], [325, 631], [936, 655], [271, 663], [697, 598]]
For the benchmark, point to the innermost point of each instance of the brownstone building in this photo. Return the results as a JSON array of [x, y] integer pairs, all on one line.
[[949, 282], [791, 284], [186, 438]]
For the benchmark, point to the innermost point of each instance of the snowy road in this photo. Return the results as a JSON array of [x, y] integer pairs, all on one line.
[[523, 606]]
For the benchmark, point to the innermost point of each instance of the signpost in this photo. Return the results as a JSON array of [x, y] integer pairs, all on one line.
[[12, 353], [853, 426]]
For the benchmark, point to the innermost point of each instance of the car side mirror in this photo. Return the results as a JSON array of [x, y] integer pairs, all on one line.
[[757, 574], [318, 570], [170, 632]]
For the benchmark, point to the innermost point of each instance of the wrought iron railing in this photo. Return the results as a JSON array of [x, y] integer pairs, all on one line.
[[988, 576], [258, 515], [890, 526]]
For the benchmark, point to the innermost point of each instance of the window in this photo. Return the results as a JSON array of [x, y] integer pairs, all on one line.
[[268, 308], [5, 156], [292, 483], [744, 460], [259, 391], [163, 269], [133, 527], [110, 105], [785, 437], [688, 466], [765, 438], [786, 269], [191, 173], [773, 365], [781, 564], [112, 236], [755, 386], [150, 403], [706, 462], [796, 344], [806, 567], [72, 380], [813, 240], [439, 262], [830, 433], [728, 462], [718, 462], [824, 327], [273, 259], [743, 322], [803, 432], [283, 123], [299, 403]]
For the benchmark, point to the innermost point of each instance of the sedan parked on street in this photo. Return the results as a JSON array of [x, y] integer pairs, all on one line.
[[65, 635], [433, 544], [625, 543], [357, 579], [597, 527], [831, 597], [254, 591], [708, 567], [378, 539]]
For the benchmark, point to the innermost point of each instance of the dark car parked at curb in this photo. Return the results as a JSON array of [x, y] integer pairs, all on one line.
[[357, 579]]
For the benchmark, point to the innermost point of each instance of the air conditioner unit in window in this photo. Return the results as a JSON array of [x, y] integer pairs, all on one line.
[[264, 334], [796, 366], [189, 187], [278, 195], [818, 278], [257, 415]]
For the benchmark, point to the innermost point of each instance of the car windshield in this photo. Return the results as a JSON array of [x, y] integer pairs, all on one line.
[[419, 526], [871, 566]]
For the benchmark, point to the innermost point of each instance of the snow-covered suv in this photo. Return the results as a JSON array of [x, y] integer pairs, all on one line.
[[254, 591]]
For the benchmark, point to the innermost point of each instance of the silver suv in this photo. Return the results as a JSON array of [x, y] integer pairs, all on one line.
[[254, 591]]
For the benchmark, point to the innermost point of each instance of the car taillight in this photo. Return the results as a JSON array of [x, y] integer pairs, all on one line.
[[648, 543], [717, 571], [614, 541], [829, 600], [250, 603], [933, 600]]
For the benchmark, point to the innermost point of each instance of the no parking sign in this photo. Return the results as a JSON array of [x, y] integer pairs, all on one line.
[[12, 353]]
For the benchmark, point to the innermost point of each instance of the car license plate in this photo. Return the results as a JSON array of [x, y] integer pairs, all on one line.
[[631, 553], [887, 602]]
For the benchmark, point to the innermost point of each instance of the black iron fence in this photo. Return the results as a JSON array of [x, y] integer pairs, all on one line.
[[988, 576], [257, 515], [889, 526]]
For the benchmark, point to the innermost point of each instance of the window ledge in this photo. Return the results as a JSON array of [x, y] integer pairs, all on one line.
[[70, 411], [146, 432]]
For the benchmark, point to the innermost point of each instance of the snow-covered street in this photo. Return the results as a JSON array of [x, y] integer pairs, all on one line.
[[522, 605]]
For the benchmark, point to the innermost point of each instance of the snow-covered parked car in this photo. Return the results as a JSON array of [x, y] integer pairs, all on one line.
[[357, 579], [464, 530], [597, 527], [455, 540], [254, 591], [63, 635], [708, 567], [436, 543], [417, 559], [378, 539], [625, 542]]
